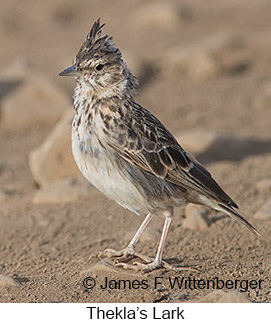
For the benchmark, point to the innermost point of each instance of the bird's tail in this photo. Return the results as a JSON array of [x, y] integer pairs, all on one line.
[[236, 216]]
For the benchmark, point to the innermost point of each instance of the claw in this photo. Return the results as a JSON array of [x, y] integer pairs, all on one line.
[[137, 266], [124, 258], [124, 253], [111, 253], [166, 265]]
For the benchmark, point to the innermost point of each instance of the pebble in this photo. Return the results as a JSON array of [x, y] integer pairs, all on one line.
[[3, 197], [15, 71], [195, 217], [53, 160], [197, 140], [265, 211], [8, 281], [107, 265], [264, 184], [205, 58], [35, 100], [262, 99], [11, 77], [161, 14], [63, 191]]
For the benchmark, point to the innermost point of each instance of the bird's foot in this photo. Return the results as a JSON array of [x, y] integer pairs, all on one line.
[[122, 255], [137, 266], [125, 255]]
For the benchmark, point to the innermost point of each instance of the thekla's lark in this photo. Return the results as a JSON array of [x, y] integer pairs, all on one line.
[[127, 153]]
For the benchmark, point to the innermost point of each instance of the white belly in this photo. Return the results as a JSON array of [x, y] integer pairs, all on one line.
[[97, 167]]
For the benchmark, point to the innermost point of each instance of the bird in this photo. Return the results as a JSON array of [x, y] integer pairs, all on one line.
[[128, 154]]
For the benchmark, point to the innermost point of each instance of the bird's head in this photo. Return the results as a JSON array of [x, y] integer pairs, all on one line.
[[99, 65]]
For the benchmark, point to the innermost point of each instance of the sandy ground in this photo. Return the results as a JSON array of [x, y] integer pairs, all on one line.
[[49, 248]]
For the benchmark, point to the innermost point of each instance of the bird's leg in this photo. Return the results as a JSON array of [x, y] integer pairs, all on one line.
[[129, 251], [157, 261]]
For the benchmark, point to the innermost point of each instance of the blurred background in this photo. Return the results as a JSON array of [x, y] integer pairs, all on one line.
[[203, 70], [178, 47]]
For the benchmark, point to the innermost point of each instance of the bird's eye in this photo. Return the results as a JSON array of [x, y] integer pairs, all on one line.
[[99, 67]]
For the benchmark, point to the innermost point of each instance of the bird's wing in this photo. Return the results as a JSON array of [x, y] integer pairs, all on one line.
[[145, 143]]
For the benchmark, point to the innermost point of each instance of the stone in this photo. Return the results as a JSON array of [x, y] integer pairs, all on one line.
[[264, 212], [197, 141], [53, 160], [195, 217], [160, 14], [17, 70], [201, 66], [222, 296], [63, 191], [3, 197], [11, 77], [205, 59], [264, 184], [8, 281], [35, 100], [107, 265], [262, 99], [118, 279]]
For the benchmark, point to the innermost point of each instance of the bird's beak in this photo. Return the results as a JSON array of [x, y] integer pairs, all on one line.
[[70, 71]]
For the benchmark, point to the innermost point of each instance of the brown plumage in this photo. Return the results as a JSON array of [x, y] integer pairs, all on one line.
[[127, 153]]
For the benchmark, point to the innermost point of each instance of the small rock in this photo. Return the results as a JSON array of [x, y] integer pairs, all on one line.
[[12, 76], [201, 66], [8, 281], [53, 160], [195, 218], [262, 100], [17, 70], [221, 296], [264, 212], [3, 197], [63, 191], [34, 100], [264, 184], [197, 141], [206, 58], [160, 14], [107, 265]]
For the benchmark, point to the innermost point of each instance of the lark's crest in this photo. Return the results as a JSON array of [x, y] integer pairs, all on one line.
[[97, 44]]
